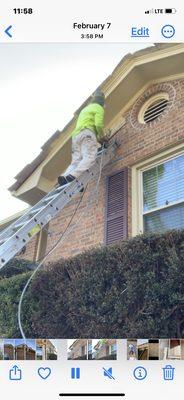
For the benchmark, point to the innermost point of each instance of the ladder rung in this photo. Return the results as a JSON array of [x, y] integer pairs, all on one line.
[[57, 190], [60, 188], [4, 240], [49, 198], [35, 210], [19, 225]]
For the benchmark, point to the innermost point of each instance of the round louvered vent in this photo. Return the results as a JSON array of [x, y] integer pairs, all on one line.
[[154, 110]]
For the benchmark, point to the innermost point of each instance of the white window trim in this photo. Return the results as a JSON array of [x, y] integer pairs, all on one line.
[[137, 198]]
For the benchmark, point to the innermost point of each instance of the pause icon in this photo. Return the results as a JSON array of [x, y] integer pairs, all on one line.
[[75, 373]]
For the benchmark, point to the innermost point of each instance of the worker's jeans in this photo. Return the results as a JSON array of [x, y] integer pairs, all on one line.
[[84, 151]]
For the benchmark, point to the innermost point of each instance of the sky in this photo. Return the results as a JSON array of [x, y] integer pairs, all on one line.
[[41, 86]]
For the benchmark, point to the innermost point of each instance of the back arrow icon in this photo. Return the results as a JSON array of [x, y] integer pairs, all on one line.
[[7, 31]]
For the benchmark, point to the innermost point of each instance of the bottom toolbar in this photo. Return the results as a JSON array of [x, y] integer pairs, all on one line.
[[92, 368]]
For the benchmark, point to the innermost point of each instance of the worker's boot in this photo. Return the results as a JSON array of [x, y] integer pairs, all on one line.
[[70, 178], [62, 180]]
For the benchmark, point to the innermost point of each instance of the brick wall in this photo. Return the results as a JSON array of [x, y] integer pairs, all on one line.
[[30, 250], [138, 142]]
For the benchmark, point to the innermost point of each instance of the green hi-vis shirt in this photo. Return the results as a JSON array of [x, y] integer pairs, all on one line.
[[91, 117]]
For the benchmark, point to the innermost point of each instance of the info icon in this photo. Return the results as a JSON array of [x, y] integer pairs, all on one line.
[[140, 373]]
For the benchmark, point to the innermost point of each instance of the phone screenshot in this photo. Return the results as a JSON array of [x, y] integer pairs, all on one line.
[[92, 200]]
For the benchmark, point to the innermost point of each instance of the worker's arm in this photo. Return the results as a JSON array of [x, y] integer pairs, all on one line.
[[99, 121]]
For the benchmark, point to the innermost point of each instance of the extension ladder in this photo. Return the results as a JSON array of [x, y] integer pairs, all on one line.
[[15, 236]]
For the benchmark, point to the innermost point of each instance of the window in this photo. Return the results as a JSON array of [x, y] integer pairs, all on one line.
[[113, 348], [163, 196]]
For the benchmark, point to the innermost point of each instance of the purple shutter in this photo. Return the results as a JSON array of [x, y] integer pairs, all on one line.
[[116, 219]]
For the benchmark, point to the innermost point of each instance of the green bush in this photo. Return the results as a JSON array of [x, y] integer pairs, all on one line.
[[16, 267], [10, 290], [132, 289], [13, 278]]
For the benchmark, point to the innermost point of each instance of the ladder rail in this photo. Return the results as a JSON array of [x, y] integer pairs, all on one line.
[[62, 197], [7, 232], [27, 216]]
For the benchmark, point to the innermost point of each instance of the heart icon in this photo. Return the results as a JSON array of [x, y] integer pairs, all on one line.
[[44, 373]]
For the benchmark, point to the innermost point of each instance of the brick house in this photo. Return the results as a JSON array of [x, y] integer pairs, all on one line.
[[45, 350], [142, 188], [28, 349], [105, 349], [25, 352], [78, 350]]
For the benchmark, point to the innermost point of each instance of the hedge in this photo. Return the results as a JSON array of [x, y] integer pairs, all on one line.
[[10, 290], [132, 289], [16, 267], [13, 278]]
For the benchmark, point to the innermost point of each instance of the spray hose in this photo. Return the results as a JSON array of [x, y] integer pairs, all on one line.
[[61, 238]]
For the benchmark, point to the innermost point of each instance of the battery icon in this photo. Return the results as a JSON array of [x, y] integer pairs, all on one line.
[[170, 10]]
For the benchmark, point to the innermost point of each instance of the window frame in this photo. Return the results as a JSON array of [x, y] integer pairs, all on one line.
[[137, 186]]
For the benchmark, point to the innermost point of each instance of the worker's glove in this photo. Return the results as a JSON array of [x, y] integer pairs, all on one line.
[[104, 141], [108, 134]]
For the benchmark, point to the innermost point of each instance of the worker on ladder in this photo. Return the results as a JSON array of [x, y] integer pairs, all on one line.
[[86, 138]]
